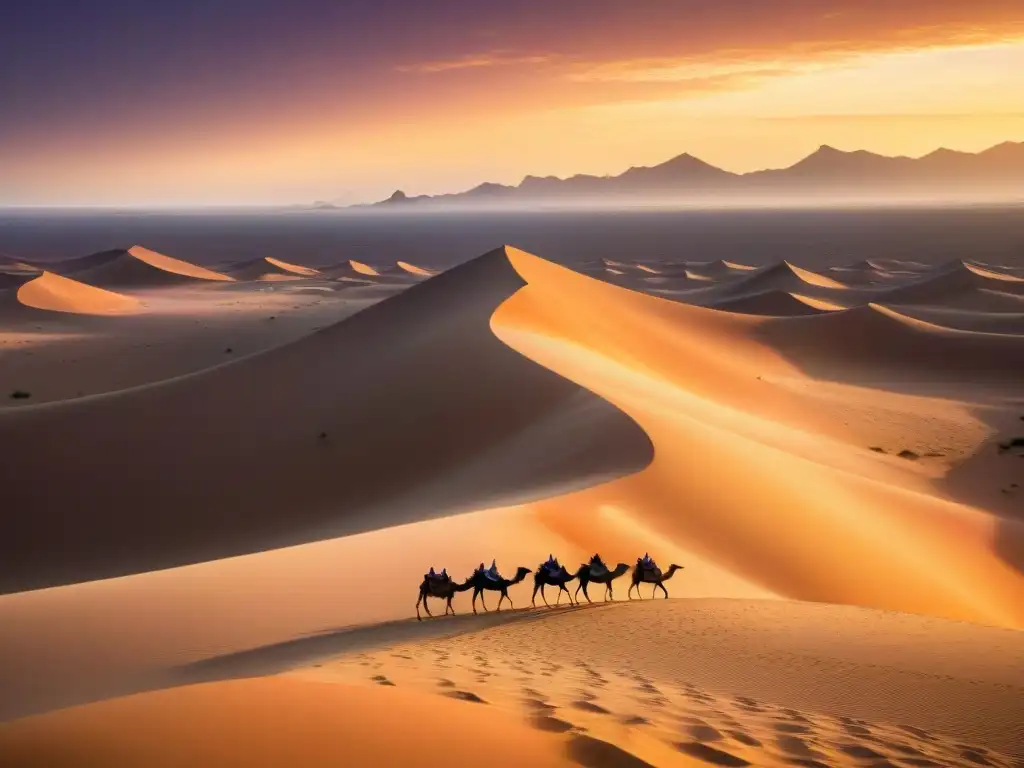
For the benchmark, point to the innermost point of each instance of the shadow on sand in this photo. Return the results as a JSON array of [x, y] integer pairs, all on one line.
[[302, 651]]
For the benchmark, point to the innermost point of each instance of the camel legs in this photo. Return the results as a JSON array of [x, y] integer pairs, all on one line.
[[504, 596], [418, 601], [608, 592], [533, 600], [635, 585], [448, 605], [480, 593], [562, 588], [662, 586]]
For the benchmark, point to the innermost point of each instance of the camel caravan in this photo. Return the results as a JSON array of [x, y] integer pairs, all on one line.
[[548, 574]]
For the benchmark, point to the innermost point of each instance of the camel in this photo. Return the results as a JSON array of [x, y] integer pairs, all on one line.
[[441, 588], [605, 576], [479, 582], [649, 576], [542, 577]]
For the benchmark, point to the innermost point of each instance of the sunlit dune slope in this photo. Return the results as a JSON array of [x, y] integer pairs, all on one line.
[[61, 294], [269, 268], [278, 721], [408, 410], [758, 478], [136, 267], [412, 269]]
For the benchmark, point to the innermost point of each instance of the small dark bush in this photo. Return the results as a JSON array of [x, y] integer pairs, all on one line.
[[20, 394]]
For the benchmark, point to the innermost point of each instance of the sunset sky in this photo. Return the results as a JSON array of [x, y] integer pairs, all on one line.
[[128, 102]]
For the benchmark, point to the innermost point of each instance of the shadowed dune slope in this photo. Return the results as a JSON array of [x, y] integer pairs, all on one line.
[[408, 410], [61, 294], [269, 268]]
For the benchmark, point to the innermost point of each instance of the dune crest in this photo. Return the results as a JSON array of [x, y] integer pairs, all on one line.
[[61, 294], [414, 270], [137, 267]]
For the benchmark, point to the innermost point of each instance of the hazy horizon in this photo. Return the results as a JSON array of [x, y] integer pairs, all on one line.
[[326, 101]]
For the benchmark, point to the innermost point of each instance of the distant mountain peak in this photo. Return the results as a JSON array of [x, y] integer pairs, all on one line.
[[997, 171]]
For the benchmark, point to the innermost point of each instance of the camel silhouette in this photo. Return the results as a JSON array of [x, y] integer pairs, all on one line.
[[479, 581], [586, 575], [442, 589], [651, 576], [542, 577]]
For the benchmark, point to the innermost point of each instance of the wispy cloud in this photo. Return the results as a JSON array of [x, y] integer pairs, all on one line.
[[475, 61]]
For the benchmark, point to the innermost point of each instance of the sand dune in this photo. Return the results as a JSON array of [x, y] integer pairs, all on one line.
[[719, 268], [269, 268], [412, 269], [782, 277], [427, 357], [776, 303], [61, 294], [967, 320], [136, 267], [707, 368], [952, 284]]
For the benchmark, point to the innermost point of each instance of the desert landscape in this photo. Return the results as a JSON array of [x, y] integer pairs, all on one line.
[[225, 482]]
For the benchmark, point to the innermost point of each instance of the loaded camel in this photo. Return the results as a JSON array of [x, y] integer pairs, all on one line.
[[551, 574], [480, 581], [650, 574], [441, 586], [597, 572]]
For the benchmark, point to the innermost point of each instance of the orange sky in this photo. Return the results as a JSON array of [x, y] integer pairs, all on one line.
[[741, 85]]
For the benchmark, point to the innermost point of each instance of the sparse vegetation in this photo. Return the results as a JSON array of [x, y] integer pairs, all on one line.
[[20, 394], [877, 449], [908, 454]]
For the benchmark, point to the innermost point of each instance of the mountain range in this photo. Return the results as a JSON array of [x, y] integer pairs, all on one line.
[[997, 172]]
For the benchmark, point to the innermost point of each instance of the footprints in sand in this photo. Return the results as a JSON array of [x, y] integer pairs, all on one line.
[[612, 718]]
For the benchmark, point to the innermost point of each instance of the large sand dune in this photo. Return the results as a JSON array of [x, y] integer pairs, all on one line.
[[136, 267], [203, 454]]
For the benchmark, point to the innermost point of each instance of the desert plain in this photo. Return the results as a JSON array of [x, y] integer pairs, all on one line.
[[224, 483]]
